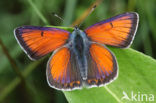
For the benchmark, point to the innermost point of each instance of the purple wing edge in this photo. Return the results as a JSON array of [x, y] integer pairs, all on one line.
[[113, 18]]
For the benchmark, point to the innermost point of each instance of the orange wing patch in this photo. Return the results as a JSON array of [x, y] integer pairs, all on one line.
[[118, 31], [39, 41], [102, 65], [103, 58], [59, 64], [62, 72]]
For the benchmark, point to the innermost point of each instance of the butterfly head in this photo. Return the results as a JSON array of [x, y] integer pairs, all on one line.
[[76, 28]]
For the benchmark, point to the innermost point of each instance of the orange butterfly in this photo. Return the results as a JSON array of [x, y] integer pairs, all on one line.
[[81, 57]]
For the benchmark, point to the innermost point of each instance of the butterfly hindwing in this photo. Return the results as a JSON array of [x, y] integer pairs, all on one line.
[[117, 31], [62, 70], [39, 41], [102, 65]]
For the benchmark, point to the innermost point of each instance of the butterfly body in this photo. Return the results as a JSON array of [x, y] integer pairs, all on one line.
[[78, 44], [80, 57]]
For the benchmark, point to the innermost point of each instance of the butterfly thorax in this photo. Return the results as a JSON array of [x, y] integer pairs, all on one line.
[[79, 44]]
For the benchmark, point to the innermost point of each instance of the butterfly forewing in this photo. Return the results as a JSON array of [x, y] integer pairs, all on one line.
[[117, 31], [39, 41]]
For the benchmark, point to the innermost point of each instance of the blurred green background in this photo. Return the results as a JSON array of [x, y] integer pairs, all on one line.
[[13, 13]]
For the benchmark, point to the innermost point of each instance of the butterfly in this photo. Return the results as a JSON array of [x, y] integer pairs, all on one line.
[[80, 58]]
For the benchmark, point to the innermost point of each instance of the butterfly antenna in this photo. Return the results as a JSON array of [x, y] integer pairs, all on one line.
[[92, 9], [57, 16]]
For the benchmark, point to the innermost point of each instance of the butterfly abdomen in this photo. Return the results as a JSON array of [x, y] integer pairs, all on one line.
[[79, 48]]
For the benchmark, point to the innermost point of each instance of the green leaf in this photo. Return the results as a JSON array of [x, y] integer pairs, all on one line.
[[70, 29], [136, 74]]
